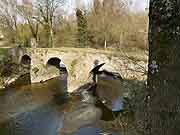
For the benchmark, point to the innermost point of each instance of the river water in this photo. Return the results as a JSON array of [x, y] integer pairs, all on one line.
[[35, 109]]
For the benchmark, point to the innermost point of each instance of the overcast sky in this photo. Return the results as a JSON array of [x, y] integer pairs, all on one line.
[[137, 5], [140, 5]]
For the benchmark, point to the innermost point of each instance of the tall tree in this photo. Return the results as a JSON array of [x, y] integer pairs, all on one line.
[[82, 28], [162, 113]]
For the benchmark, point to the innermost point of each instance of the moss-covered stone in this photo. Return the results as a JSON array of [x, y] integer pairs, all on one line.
[[35, 70]]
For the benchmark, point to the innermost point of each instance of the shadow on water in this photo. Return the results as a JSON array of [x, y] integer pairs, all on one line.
[[38, 109], [43, 120], [31, 109], [21, 80]]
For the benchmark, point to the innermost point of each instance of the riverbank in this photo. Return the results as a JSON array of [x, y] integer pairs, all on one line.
[[14, 75]]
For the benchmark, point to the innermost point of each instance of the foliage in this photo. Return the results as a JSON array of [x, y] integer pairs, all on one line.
[[8, 19], [107, 25], [23, 35], [3, 55], [46, 16], [66, 34], [82, 28], [114, 24], [5, 60], [118, 26]]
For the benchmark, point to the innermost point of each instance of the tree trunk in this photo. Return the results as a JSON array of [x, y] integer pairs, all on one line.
[[48, 35], [105, 44], [163, 100], [51, 38]]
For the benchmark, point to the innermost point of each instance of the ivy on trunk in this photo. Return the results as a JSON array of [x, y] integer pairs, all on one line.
[[162, 111]]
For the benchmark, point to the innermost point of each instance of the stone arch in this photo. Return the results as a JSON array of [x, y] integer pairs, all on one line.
[[25, 60], [58, 63], [25, 70], [54, 61]]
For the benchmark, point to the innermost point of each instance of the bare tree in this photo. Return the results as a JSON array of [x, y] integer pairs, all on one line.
[[8, 16], [27, 16], [46, 13], [104, 31]]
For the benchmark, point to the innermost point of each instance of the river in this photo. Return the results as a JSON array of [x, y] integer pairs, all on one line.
[[34, 109]]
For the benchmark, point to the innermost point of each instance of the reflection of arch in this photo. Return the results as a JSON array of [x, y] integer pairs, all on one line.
[[25, 60], [54, 61]]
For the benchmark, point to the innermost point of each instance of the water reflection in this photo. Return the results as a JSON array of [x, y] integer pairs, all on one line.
[[30, 109], [92, 131], [37, 109]]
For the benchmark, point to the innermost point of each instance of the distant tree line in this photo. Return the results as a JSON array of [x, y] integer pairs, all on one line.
[[110, 24]]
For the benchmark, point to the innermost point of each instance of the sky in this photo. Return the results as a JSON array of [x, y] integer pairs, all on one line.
[[137, 5], [140, 5]]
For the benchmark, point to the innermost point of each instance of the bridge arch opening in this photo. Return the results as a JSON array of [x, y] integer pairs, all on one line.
[[25, 60], [58, 63], [62, 78], [25, 66]]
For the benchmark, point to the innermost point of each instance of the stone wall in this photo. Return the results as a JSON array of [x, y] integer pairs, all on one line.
[[79, 63]]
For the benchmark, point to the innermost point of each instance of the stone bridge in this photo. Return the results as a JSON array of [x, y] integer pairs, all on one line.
[[78, 62]]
